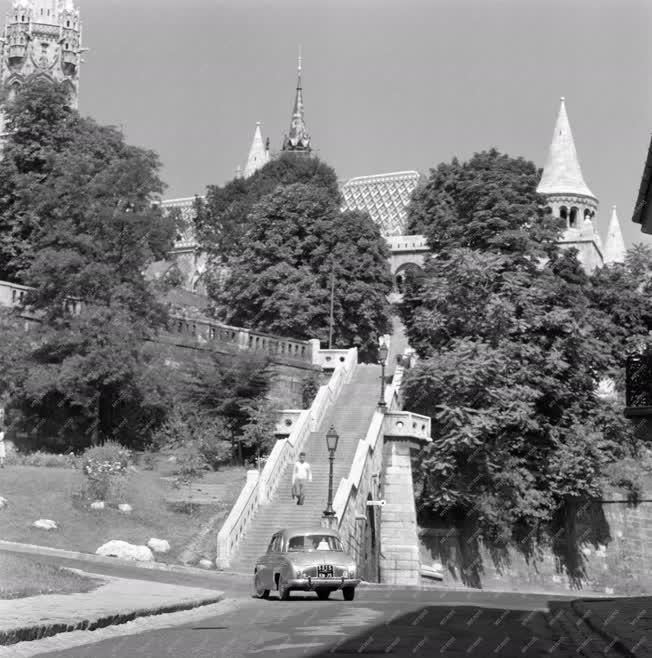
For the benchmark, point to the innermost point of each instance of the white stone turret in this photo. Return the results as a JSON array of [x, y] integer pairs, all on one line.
[[568, 196], [258, 153], [614, 247]]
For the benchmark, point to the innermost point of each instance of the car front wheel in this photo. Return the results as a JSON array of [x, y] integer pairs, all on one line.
[[348, 593], [261, 592], [283, 591]]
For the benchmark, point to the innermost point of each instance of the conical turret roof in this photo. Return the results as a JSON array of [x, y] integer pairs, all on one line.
[[614, 246], [258, 154], [562, 173]]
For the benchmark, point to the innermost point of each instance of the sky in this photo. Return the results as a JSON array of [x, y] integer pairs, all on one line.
[[389, 85]]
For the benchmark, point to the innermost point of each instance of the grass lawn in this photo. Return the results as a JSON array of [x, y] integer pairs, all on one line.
[[21, 576], [49, 493]]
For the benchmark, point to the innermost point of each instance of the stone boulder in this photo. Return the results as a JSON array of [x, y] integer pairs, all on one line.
[[45, 524], [125, 508], [98, 504], [125, 551], [206, 564], [159, 545], [3, 502]]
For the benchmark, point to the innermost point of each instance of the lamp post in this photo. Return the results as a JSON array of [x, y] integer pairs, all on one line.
[[331, 443], [382, 357]]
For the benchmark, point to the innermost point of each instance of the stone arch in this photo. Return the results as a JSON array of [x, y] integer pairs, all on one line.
[[401, 274], [563, 212], [572, 218]]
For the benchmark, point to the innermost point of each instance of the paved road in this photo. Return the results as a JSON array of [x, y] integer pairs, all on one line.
[[377, 623]]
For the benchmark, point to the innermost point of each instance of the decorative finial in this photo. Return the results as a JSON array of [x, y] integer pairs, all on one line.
[[562, 99], [613, 207], [299, 66], [258, 124]]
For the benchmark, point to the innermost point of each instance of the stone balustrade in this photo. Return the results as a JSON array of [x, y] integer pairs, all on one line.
[[328, 359], [286, 420], [404, 424]]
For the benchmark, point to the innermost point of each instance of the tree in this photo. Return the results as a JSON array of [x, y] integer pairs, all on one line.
[[80, 228], [224, 217], [489, 202], [514, 339], [281, 283], [226, 389]]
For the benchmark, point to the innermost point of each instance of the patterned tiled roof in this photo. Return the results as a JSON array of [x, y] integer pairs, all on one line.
[[384, 196]]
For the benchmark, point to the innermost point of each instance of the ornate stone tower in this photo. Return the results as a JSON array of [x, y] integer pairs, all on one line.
[[568, 196], [41, 38], [298, 139]]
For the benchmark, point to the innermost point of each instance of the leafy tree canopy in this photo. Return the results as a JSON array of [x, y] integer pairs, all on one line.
[[223, 218], [489, 202], [513, 346], [77, 222], [281, 282]]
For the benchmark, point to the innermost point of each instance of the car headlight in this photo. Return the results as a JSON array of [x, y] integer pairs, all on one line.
[[352, 572], [301, 574]]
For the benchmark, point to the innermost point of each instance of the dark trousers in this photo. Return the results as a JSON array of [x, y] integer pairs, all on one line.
[[299, 491]]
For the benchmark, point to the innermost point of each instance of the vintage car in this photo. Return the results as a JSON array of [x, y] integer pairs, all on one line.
[[306, 559]]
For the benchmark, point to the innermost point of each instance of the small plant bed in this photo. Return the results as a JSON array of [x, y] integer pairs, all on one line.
[[55, 493], [21, 576]]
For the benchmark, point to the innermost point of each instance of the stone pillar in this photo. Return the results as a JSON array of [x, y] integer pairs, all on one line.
[[399, 540]]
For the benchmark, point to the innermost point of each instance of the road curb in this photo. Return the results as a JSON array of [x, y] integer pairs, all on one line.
[[33, 549], [41, 631], [469, 590]]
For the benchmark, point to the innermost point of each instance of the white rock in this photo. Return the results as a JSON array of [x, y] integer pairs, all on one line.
[[172, 459], [125, 508], [206, 564], [98, 504], [45, 524], [159, 545], [608, 590], [3, 502], [125, 551]]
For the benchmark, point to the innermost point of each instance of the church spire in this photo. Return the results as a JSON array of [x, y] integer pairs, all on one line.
[[258, 153], [298, 139], [614, 248], [562, 173]]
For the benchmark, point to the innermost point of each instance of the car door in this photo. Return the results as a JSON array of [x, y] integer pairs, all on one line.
[[266, 564]]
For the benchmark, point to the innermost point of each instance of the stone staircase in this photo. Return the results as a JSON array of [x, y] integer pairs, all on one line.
[[350, 414]]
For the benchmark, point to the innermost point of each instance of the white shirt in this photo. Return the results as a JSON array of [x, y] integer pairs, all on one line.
[[302, 471]]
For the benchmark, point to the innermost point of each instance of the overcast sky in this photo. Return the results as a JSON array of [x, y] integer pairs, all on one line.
[[388, 85]]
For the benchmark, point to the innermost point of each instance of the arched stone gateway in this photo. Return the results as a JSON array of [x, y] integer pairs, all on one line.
[[402, 274]]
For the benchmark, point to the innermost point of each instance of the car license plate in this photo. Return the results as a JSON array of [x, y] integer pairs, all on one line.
[[325, 571]]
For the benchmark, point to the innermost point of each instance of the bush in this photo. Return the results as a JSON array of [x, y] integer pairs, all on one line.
[[43, 459], [309, 388], [105, 467]]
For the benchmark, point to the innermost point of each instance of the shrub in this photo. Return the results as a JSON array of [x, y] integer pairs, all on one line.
[[309, 388], [104, 467]]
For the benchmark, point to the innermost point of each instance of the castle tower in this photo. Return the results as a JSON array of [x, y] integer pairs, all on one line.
[[614, 247], [298, 139], [258, 153], [41, 38], [568, 196]]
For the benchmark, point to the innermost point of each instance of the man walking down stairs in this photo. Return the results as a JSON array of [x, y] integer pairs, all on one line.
[[350, 415]]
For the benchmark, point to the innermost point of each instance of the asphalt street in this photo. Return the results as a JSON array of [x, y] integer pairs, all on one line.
[[379, 622]]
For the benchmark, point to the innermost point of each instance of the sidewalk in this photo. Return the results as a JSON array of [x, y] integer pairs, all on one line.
[[116, 602]]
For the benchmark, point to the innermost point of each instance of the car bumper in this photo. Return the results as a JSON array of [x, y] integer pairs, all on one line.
[[308, 584]]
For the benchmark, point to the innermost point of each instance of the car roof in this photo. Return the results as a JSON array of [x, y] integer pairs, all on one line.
[[307, 530]]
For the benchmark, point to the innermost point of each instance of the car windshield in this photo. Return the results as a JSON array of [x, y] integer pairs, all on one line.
[[314, 543]]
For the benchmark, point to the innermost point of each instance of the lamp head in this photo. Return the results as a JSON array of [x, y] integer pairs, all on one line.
[[382, 353], [332, 438]]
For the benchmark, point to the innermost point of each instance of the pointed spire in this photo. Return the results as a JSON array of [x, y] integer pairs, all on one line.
[[614, 248], [258, 153], [298, 138], [562, 173]]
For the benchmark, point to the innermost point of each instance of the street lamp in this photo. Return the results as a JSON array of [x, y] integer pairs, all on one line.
[[331, 443], [382, 357]]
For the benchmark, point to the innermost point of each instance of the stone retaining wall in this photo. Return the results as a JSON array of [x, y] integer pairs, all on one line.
[[616, 554]]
